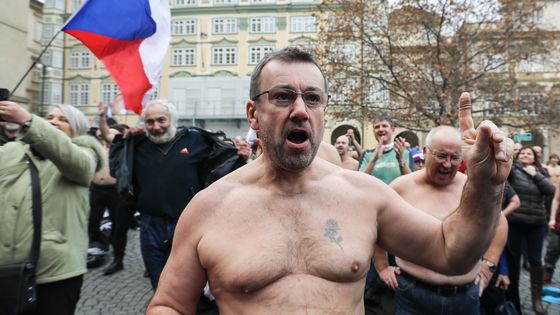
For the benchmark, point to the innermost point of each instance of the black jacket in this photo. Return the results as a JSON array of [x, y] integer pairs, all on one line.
[[222, 159], [531, 190]]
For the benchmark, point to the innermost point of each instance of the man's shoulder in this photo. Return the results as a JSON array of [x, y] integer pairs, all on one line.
[[351, 162], [328, 152], [407, 181], [357, 181], [367, 152], [224, 194], [462, 178], [365, 156], [192, 131]]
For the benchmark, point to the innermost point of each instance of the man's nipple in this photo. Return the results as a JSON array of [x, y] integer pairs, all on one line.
[[355, 267]]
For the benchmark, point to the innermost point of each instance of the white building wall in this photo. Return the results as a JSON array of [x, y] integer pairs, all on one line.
[[215, 103]]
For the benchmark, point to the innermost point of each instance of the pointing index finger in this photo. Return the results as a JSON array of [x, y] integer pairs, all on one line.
[[465, 117]]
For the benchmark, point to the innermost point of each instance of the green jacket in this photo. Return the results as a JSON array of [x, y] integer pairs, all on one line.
[[66, 167]]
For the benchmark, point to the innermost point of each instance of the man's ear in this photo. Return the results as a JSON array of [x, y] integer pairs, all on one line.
[[251, 111]]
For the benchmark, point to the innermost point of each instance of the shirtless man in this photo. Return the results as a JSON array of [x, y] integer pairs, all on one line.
[[290, 234], [343, 147], [437, 189]]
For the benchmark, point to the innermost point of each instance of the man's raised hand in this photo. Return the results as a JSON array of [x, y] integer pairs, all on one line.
[[486, 150]]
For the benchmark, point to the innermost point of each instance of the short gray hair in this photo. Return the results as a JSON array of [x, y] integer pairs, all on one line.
[[437, 129], [286, 55], [76, 119], [168, 106]]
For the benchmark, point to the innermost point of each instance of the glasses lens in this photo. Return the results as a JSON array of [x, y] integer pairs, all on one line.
[[281, 97], [442, 157], [313, 98], [454, 159], [285, 97]]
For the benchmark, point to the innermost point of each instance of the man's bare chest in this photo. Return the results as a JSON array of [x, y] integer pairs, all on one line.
[[250, 250], [437, 204]]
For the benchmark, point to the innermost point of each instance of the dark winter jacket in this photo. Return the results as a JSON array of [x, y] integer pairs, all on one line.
[[221, 160], [532, 191]]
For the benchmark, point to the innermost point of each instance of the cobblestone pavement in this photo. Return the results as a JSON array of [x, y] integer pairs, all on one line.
[[525, 293], [128, 292], [122, 293]]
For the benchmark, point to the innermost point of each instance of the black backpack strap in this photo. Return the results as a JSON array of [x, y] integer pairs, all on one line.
[[36, 195]]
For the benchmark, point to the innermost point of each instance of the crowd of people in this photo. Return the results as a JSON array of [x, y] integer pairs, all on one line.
[[530, 205], [388, 230]]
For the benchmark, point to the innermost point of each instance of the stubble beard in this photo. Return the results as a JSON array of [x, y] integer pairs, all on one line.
[[291, 161]]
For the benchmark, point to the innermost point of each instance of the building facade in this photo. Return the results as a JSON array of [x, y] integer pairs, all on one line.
[[214, 47], [20, 45]]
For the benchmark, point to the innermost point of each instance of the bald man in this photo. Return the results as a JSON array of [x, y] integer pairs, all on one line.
[[342, 146], [437, 190]]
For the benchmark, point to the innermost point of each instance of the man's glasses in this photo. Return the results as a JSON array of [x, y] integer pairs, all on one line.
[[442, 157], [283, 97]]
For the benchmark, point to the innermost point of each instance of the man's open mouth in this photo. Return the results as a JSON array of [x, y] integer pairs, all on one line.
[[297, 136]]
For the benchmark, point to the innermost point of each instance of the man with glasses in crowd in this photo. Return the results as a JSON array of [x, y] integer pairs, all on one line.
[[289, 233], [437, 190]]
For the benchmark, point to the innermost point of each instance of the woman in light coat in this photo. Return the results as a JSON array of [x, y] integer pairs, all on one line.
[[66, 159]]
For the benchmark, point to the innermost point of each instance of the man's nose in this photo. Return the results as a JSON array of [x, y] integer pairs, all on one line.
[[299, 109]]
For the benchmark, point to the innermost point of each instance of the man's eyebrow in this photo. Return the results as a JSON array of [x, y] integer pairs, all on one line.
[[290, 87], [314, 88]]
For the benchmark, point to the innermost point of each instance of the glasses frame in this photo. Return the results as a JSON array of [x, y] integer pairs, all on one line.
[[300, 94], [438, 156]]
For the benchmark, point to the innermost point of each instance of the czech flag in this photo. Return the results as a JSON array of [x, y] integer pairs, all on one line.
[[130, 37]]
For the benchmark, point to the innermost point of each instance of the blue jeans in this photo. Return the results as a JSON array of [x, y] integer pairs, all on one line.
[[156, 234], [411, 299]]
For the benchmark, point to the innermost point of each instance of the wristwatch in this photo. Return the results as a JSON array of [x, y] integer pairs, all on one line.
[[492, 266], [402, 164]]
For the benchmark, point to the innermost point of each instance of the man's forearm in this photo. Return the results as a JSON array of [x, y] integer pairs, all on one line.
[[358, 147], [498, 242], [104, 129], [554, 209], [555, 202], [380, 260], [405, 170], [513, 204], [469, 230]]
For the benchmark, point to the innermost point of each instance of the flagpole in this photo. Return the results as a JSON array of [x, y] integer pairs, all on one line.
[[35, 62]]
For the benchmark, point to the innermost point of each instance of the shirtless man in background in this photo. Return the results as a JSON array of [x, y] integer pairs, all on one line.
[[342, 145], [290, 234], [437, 189]]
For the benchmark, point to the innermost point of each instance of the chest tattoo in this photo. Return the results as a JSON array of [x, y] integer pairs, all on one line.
[[331, 231]]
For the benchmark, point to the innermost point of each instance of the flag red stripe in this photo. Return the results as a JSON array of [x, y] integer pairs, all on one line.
[[123, 61]]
